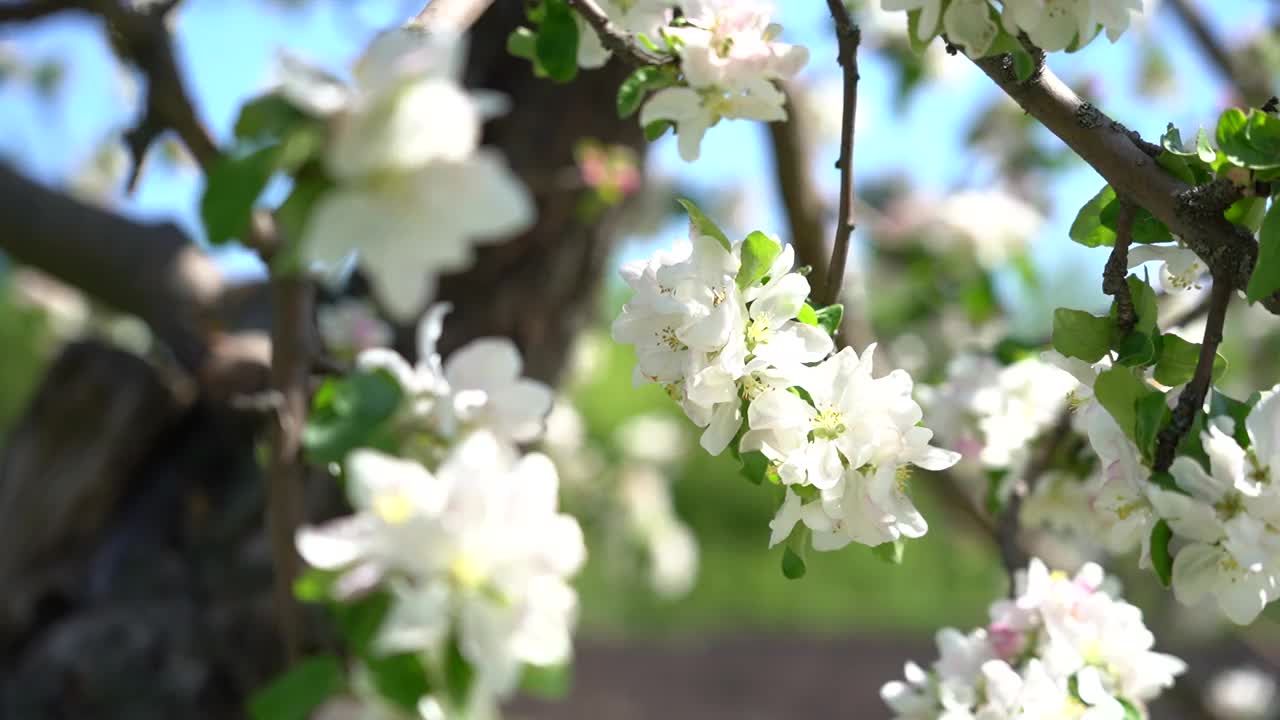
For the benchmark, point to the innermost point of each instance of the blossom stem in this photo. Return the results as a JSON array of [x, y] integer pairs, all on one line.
[[619, 42], [1191, 401], [848, 37], [1115, 276]]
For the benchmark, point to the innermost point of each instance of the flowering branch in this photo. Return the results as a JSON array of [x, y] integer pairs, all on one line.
[[1191, 401], [621, 43], [1126, 162], [848, 36], [1114, 276]]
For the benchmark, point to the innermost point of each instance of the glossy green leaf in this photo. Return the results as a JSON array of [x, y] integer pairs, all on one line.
[[807, 315], [299, 691], [1178, 360], [1082, 335], [355, 415], [703, 224], [755, 466], [400, 679], [269, 117], [1161, 560], [758, 253], [232, 188], [1266, 274], [633, 90], [1087, 229], [793, 567], [1151, 414], [1137, 349], [830, 318], [890, 552], [1118, 391], [557, 42]]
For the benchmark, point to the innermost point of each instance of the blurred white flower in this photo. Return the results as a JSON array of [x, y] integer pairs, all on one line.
[[1241, 693], [351, 326], [995, 225], [414, 192], [653, 438]]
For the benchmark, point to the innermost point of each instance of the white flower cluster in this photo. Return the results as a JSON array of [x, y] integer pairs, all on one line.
[[351, 325], [1224, 520], [1063, 647], [728, 58], [723, 328], [1051, 24], [414, 191], [458, 527]]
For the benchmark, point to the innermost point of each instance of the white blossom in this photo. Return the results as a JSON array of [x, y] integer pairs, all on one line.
[[1180, 268], [1061, 647], [351, 326], [694, 111], [476, 549], [414, 192], [1241, 693], [1061, 24]]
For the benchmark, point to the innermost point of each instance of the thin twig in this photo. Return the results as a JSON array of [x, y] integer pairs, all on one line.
[[1191, 401], [1252, 87], [1115, 276], [848, 36], [34, 10], [620, 42]]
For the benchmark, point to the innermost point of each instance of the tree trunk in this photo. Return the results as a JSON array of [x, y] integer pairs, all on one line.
[[135, 578]]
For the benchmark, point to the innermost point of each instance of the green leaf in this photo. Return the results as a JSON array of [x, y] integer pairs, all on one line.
[[292, 217], [1146, 228], [830, 317], [1024, 66], [758, 253], [1204, 148], [1079, 334], [1249, 140], [1248, 212], [523, 43], [359, 620], [1266, 274], [755, 466], [703, 224], [1165, 481], [401, 678], [299, 691], [1178, 360], [232, 188], [657, 129], [1087, 229], [913, 32], [1118, 390], [354, 415], [1161, 560], [1137, 349], [807, 315], [1131, 711], [269, 117], [1144, 304], [549, 683], [1151, 415], [632, 91], [557, 42], [314, 585], [890, 552], [793, 567], [1225, 405], [459, 676]]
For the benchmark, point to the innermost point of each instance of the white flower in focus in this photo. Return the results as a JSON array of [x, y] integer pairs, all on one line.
[[1180, 268], [854, 420], [476, 550], [693, 112], [968, 24], [1241, 693], [653, 317], [728, 44], [634, 17], [1055, 25], [414, 193], [1227, 553], [478, 386], [351, 326], [930, 14]]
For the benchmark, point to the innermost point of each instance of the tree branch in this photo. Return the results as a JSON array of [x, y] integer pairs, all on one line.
[[1191, 401], [848, 36], [620, 42], [1115, 276], [1126, 162], [27, 11], [1253, 87]]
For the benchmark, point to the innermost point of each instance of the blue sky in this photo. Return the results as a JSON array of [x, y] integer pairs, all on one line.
[[227, 48]]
